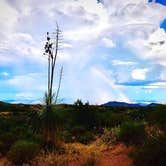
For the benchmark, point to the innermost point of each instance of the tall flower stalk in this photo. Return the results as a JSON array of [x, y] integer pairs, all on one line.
[[51, 50]]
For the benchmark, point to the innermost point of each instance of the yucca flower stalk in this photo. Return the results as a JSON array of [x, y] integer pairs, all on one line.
[[51, 50]]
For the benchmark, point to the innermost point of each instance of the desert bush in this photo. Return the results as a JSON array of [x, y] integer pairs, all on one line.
[[110, 135], [109, 119], [47, 124], [158, 117], [84, 117], [132, 133], [66, 136], [153, 131], [138, 115], [86, 138], [152, 153], [85, 155], [117, 119], [78, 130], [23, 151], [78, 104], [6, 140], [80, 134]]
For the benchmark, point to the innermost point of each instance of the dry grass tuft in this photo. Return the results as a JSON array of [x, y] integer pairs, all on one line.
[[75, 154]]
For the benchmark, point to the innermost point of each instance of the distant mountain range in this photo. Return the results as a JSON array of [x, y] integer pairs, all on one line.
[[123, 104], [23, 101], [110, 103]]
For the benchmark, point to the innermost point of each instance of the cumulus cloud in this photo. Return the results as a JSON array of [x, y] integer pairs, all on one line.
[[120, 62], [157, 47], [86, 26], [139, 74], [21, 46], [153, 48]]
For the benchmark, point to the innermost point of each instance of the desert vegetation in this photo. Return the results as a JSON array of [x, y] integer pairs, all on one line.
[[81, 134]]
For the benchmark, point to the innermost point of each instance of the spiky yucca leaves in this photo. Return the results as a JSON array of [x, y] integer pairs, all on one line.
[[49, 120], [47, 123], [49, 126], [48, 98]]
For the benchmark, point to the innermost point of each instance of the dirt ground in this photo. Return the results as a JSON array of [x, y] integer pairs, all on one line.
[[2, 161], [117, 156]]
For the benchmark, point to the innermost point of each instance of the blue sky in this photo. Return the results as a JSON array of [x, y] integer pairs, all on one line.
[[113, 50]]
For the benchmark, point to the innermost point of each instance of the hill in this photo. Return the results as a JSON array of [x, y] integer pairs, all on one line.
[[124, 104]]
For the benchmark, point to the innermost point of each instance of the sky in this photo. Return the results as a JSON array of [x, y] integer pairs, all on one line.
[[112, 50]]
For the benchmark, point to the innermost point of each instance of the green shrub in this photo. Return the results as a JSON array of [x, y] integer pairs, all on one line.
[[66, 136], [78, 130], [86, 138], [117, 119], [132, 133], [153, 153], [23, 151], [80, 134], [158, 117], [109, 119], [138, 115], [6, 140]]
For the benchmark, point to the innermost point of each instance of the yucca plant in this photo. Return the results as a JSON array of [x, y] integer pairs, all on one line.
[[48, 118], [46, 122]]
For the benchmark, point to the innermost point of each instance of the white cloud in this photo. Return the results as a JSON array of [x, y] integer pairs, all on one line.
[[108, 43], [119, 62], [85, 25], [114, 90], [157, 45], [93, 20], [157, 36], [29, 82], [22, 46], [86, 21], [8, 17], [25, 95], [153, 48], [139, 74], [155, 85], [4, 74]]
